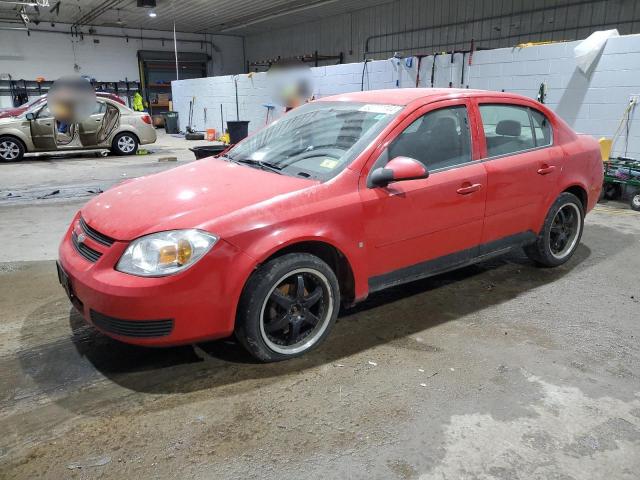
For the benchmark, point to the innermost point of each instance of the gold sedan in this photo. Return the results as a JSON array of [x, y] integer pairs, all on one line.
[[111, 126]]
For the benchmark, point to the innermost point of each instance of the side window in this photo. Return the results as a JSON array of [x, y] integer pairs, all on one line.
[[507, 129], [542, 128], [44, 112], [99, 108], [438, 139]]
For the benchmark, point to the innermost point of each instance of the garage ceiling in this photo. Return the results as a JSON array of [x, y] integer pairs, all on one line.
[[239, 17]]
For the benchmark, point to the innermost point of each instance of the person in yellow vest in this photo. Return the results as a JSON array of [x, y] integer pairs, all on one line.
[[138, 106]]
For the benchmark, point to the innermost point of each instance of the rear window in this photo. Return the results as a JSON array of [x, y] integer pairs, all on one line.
[[541, 128]]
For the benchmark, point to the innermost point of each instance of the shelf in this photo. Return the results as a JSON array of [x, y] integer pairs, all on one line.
[[161, 104], [160, 85]]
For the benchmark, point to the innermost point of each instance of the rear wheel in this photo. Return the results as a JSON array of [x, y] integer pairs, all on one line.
[[11, 149], [287, 307], [635, 202], [560, 234], [124, 144]]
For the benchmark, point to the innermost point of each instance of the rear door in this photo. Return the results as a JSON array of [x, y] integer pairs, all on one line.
[[523, 167], [89, 127]]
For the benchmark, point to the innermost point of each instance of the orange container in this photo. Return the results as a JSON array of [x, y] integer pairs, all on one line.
[[211, 134]]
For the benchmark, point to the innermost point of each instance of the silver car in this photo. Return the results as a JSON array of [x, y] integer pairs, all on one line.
[[111, 126]]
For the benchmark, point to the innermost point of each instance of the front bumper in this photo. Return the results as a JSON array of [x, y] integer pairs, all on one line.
[[194, 305]]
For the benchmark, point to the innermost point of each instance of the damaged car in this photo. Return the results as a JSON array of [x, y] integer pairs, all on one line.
[[111, 125]]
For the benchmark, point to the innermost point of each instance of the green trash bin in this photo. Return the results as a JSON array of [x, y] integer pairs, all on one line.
[[171, 122]]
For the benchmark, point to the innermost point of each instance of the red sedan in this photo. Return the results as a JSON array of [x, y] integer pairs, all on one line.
[[341, 197]]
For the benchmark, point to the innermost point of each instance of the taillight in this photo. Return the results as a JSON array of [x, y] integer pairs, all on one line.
[[146, 119]]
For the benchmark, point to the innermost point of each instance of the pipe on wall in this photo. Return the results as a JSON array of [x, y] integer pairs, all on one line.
[[126, 37], [527, 12]]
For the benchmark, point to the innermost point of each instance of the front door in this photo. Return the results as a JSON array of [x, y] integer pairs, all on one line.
[[523, 167], [43, 130], [419, 227]]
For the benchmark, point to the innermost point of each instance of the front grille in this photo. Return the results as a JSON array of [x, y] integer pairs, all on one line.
[[95, 235], [87, 252], [132, 328]]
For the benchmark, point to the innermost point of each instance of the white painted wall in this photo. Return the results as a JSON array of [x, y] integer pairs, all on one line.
[[52, 55], [590, 104]]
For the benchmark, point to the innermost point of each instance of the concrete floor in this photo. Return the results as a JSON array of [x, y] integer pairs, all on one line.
[[500, 370]]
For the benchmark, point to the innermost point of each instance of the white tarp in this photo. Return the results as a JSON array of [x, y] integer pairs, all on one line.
[[587, 50]]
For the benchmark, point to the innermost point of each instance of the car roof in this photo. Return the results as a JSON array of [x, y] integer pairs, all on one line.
[[404, 96]]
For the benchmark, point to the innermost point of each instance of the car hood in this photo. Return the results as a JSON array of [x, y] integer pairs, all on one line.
[[190, 196], [11, 112], [9, 119]]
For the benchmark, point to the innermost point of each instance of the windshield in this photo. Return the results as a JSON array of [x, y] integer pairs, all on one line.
[[317, 140], [31, 103]]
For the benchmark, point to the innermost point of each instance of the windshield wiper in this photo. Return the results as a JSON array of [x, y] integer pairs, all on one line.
[[260, 164]]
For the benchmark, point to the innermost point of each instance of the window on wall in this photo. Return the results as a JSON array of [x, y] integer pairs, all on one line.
[[438, 139], [507, 129], [541, 128]]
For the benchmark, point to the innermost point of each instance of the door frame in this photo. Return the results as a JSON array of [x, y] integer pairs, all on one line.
[[472, 112], [52, 138]]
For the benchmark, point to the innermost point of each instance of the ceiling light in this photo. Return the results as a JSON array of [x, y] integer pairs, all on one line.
[[153, 14]]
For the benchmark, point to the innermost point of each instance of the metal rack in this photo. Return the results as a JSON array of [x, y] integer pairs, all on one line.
[[21, 91], [314, 58]]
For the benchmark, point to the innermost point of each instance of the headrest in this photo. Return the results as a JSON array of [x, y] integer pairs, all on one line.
[[446, 123], [510, 128]]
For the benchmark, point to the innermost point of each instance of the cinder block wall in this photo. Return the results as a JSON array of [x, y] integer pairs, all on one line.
[[591, 104]]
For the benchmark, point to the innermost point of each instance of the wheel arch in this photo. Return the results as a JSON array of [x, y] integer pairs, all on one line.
[[333, 256], [130, 132], [580, 192], [15, 137]]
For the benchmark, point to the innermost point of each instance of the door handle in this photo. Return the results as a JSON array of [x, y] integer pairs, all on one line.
[[546, 169], [467, 189]]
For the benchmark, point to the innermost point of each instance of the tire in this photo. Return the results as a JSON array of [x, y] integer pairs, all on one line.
[[560, 234], [11, 149], [635, 202], [124, 143], [277, 319], [612, 191]]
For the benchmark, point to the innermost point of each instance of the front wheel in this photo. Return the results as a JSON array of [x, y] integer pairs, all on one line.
[[560, 234], [124, 144], [288, 307], [11, 149], [635, 202]]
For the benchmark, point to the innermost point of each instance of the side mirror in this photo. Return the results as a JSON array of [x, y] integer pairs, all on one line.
[[398, 170], [30, 116]]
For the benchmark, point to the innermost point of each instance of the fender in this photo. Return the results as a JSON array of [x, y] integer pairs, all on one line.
[[19, 133], [268, 245]]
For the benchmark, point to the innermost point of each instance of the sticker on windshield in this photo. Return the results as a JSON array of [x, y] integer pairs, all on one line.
[[329, 163], [378, 108]]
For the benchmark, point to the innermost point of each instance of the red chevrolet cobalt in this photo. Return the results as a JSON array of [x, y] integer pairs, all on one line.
[[339, 198]]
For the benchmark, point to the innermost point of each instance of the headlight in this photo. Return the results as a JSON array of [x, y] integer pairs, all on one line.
[[165, 253]]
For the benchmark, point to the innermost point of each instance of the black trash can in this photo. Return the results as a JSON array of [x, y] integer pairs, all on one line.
[[208, 150], [171, 122], [238, 130]]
